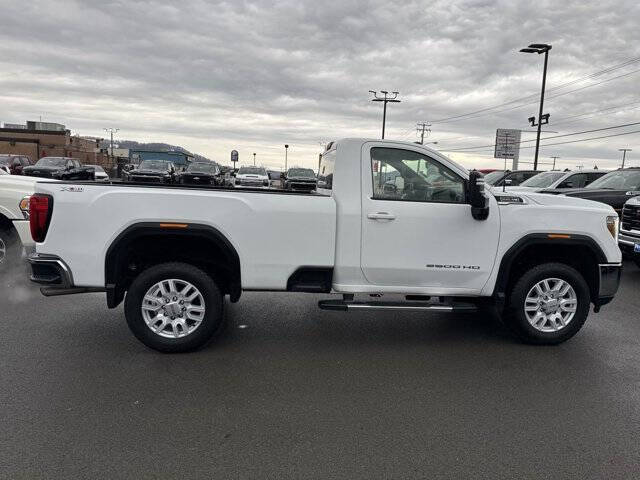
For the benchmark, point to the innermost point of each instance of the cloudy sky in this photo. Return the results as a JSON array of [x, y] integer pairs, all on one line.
[[213, 76]]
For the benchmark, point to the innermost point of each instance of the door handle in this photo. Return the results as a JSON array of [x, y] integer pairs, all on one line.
[[381, 216]]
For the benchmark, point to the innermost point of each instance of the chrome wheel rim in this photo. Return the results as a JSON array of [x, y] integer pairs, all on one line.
[[3, 250], [173, 308], [550, 305]]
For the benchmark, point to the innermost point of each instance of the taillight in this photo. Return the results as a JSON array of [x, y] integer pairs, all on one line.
[[40, 210]]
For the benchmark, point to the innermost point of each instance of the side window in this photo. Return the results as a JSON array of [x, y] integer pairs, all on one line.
[[412, 176], [70, 164], [592, 177], [325, 172], [574, 181]]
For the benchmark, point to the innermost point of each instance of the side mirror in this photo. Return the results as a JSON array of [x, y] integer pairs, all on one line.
[[476, 196]]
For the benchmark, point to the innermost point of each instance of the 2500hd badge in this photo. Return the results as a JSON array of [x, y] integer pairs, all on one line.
[[454, 267]]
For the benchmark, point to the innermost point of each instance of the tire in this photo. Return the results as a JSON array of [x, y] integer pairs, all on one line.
[[10, 248], [549, 329], [176, 335]]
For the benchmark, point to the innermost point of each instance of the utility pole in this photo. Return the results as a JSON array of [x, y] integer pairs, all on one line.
[[286, 149], [111, 131], [554, 162], [254, 159], [539, 48], [423, 127], [386, 99], [624, 154]]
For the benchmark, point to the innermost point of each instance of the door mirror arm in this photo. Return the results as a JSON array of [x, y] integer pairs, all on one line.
[[477, 197]]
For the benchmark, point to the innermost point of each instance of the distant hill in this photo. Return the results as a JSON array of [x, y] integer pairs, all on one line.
[[159, 147]]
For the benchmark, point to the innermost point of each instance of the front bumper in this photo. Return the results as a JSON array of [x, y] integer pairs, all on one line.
[[609, 283], [627, 241]]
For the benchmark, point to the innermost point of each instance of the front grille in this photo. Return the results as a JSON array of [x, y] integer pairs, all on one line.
[[40, 174], [631, 217], [145, 179]]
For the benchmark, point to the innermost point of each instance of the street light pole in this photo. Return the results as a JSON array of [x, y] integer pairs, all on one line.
[[624, 154], [254, 159], [286, 149], [111, 131], [554, 162], [386, 99], [539, 48]]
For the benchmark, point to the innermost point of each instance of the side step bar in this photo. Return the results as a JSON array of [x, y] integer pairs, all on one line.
[[342, 305]]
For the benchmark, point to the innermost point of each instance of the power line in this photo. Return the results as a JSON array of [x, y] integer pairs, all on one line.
[[553, 136], [486, 110], [557, 143]]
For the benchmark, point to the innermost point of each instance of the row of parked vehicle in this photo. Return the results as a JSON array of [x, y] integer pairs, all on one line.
[[210, 173], [60, 168]]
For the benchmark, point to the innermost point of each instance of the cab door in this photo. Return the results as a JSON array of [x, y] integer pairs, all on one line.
[[417, 227]]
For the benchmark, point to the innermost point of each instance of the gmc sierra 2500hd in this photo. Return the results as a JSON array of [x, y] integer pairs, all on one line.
[[389, 218]]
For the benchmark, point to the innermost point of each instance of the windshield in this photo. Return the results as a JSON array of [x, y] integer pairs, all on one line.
[[51, 162], [202, 168], [4, 159], [252, 171], [153, 165], [493, 177], [543, 180], [301, 172], [618, 180]]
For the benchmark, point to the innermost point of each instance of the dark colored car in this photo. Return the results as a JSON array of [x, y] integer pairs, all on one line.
[[61, 168], [300, 179], [153, 171], [202, 173], [498, 178], [14, 164], [614, 188]]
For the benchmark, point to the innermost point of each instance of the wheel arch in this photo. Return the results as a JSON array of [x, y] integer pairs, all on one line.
[[578, 251], [149, 243]]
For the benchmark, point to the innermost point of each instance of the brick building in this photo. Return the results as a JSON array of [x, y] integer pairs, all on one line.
[[38, 143]]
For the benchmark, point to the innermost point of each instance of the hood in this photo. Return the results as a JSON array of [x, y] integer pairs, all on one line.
[[35, 168], [300, 179], [592, 192], [147, 172], [519, 189], [196, 174], [252, 176], [562, 201]]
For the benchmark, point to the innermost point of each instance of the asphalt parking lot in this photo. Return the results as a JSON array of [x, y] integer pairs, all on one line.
[[294, 392]]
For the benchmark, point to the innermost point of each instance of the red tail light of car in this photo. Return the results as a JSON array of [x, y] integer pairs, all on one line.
[[40, 210]]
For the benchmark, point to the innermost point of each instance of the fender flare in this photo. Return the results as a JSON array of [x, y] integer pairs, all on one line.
[[115, 293]]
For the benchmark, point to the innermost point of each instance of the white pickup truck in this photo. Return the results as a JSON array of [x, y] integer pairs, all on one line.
[[14, 217], [395, 226]]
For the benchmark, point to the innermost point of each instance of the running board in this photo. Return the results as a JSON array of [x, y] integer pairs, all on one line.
[[398, 306]]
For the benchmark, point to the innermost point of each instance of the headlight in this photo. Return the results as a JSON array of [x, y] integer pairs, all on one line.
[[612, 225], [24, 207]]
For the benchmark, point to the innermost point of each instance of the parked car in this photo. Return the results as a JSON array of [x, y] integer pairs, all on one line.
[[100, 174], [202, 173], [15, 234], [559, 181], [300, 179], [508, 178], [276, 178], [14, 164], [629, 238], [156, 171], [252, 177], [174, 253], [614, 188], [60, 168]]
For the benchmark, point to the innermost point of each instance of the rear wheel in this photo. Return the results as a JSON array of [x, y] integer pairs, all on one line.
[[548, 304], [174, 307]]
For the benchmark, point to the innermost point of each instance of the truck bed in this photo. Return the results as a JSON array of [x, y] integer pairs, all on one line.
[[275, 232]]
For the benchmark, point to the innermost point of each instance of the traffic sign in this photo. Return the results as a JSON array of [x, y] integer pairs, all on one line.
[[234, 157], [508, 145]]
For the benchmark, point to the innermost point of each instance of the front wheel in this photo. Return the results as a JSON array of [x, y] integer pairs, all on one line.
[[548, 304], [174, 307]]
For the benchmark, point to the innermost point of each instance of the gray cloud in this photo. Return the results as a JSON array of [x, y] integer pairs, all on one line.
[[213, 76]]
